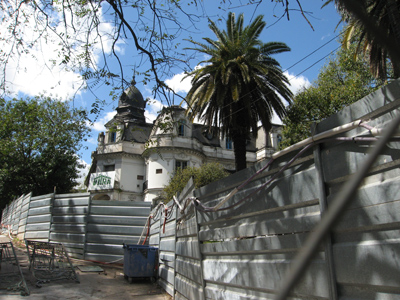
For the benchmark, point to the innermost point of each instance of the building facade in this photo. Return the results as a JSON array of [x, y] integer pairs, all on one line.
[[134, 160]]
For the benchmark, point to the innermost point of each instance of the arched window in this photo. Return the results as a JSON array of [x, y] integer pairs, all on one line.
[[112, 135], [181, 127], [228, 144]]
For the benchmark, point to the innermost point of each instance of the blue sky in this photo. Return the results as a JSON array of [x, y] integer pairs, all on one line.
[[309, 49]]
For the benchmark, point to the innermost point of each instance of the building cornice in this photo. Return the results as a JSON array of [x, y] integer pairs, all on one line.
[[117, 154], [149, 151]]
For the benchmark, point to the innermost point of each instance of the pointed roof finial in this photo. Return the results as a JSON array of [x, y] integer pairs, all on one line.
[[133, 82]]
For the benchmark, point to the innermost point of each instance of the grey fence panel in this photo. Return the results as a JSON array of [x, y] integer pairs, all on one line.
[[17, 215], [189, 283], [167, 234], [366, 244], [246, 248], [111, 224], [24, 216], [366, 248], [68, 224], [39, 218], [9, 216]]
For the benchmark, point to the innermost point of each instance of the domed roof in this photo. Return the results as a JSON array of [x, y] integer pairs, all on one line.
[[132, 97], [131, 105]]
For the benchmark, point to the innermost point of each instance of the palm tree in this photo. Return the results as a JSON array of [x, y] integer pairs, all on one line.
[[240, 84], [378, 32]]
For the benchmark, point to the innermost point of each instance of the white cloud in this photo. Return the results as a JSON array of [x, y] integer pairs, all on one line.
[[178, 84], [82, 173], [297, 82], [40, 69], [153, 107], [99, 124]]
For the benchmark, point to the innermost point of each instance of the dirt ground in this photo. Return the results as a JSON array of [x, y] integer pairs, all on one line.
[[107, 283]]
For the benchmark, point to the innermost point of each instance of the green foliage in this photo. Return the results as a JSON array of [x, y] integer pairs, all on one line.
[[202, 176], [39, 142], [375, 25], [342, 81], [241, 83]]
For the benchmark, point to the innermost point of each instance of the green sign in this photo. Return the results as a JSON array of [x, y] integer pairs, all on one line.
[[101, 180]]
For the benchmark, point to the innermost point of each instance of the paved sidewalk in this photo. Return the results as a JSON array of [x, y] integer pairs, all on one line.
[[109, 284]]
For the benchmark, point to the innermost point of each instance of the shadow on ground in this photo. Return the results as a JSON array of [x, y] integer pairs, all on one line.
[[109, 283]]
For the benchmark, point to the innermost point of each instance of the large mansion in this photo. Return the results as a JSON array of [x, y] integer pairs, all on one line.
[[134, 159]]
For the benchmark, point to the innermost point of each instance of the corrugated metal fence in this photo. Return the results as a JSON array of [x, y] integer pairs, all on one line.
[[92, 230], [246, 250]]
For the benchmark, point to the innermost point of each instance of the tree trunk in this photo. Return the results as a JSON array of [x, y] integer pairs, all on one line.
[[239, 148]]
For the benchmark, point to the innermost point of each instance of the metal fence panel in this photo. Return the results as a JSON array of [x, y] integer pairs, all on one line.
[[17, 214], [23, 216], [68, 224], [39, 218], [111, 224]]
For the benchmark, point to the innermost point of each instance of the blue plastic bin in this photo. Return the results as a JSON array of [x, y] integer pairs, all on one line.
[[140, 261]]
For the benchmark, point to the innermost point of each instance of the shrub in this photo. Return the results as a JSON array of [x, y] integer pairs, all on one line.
[[202, 176]]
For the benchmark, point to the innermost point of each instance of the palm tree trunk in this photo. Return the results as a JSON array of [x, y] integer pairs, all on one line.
[[394, 17], [239, 148]]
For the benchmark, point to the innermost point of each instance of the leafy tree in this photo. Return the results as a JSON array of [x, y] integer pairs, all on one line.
[[341, 82], [39, 141], [202, 176], [377, 27], [240, 84]]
